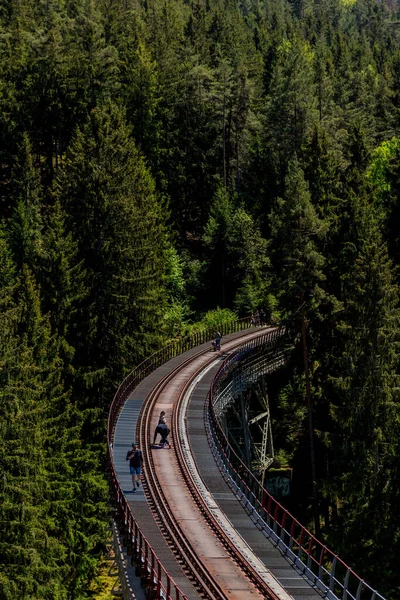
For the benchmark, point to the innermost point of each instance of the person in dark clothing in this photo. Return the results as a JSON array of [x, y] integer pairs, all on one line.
[[164, 432], [135, 458], [218, 337], [162, 429]]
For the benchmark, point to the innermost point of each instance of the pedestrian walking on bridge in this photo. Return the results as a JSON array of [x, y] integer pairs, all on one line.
[[135, 458], [218, 338]]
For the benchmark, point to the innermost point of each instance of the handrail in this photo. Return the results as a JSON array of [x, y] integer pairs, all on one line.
[[312, 558], [148, 565]]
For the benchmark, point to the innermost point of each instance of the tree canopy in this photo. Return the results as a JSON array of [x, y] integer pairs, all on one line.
[[162, 161]]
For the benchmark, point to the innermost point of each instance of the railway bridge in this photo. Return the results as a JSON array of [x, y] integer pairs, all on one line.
[[201, 525]]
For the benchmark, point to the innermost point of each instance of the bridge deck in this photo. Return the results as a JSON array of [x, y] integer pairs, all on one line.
[[125, 434], [288, 577]]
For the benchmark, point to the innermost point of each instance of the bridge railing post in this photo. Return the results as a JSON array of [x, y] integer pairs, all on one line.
[[332, 574], [346, 585]]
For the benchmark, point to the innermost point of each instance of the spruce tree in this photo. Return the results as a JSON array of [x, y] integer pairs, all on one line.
[[362, 391], [76, 484], [291, 107], [26, 224], [236, 257], [116, 222], [61, 277], [296, 232], [383, 174], [32, 556]]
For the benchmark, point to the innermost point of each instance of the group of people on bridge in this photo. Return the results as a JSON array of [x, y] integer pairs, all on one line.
[[135, 456], [258, 317]]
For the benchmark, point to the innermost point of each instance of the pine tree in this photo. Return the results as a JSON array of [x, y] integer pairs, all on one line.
[[383, 174], [52, 476], [361, 388], [115, 219], [26, 225], [291, 108], [76, 484], [31, 554], [296, 235], [296, 231], [323, 174], [236, 257], [61, 276]]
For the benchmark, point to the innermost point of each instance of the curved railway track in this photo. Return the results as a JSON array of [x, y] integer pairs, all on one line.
[[206, 551]]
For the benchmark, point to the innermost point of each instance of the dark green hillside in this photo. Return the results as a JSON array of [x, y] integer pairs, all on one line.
[[162, 158]]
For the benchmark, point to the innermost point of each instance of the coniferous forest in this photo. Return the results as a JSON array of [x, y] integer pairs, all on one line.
[[164, 158]]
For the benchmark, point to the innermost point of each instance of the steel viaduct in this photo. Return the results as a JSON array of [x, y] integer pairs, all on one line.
[[201, 525]]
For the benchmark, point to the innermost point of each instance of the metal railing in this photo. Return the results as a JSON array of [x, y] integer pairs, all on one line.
[[246, 365], [147, 565], [324, 569]]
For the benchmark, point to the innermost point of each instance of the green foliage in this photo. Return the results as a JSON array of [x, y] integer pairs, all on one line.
[[157, 161], [383, 174], [364, 400], [288, 416], [296, 229], [377, 171], [61, 275], [26, 227], [109, 198], [237, 257], [214, 318], [175, 319], [32, 556], [355, 387], [177, 309], [291, 104]]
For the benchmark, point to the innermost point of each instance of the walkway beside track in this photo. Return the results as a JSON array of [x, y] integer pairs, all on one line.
[[293, 582], [125, 435]]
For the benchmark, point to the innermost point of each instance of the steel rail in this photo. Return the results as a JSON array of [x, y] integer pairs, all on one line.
[[206, 586], [237, 556], [157, 359]]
